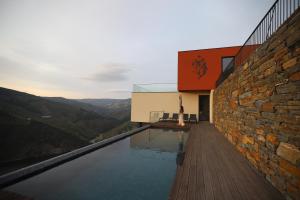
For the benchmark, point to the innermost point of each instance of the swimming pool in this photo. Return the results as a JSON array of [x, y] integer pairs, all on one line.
[[142, 166]]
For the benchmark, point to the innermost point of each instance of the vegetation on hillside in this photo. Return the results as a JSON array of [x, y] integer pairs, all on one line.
[[116, 108], [122, 128], [35, 128]]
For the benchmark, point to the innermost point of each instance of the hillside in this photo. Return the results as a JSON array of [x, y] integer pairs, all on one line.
[[72, 102], [24, 142], [116, 108], [112, 108], [74, 119], [124, 127], [34, 128], [23, 133]]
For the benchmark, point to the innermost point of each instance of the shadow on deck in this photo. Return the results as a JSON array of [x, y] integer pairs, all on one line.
[[214, 169]]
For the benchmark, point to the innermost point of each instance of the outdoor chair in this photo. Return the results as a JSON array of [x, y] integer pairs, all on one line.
[[164, 117], [185, 117], [175, 117], [193, 118]]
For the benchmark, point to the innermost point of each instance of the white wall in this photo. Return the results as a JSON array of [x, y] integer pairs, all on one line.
[[143, 103]]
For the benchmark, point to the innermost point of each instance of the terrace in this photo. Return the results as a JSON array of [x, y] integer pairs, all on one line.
[[213, 169], [249, 152], [250, 94]]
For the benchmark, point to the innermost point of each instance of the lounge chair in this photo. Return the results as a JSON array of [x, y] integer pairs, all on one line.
[[175, 117], [164, 117], [193, 118], [186, 117]]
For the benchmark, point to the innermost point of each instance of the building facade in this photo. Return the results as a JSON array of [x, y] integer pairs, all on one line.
[[198, 72]]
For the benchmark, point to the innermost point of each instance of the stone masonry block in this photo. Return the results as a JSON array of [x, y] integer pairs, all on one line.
[[289, 152], [289, 63]]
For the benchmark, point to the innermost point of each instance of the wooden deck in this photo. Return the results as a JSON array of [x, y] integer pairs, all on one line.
[[214, 169]]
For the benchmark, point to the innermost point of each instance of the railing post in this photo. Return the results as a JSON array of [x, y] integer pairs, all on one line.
[[279, 12]]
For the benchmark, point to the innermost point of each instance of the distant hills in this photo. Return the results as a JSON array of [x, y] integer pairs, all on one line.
[[112, 108], [35, 127], [24, 139]]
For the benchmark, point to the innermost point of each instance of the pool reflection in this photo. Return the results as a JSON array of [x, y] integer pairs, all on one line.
[[160, 140]]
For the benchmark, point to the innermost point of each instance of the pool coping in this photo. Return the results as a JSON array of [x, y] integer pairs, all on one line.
[[29, 171]]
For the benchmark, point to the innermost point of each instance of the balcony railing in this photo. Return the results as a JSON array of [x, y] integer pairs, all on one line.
[[280, 11], [155, 87], [155, 115]]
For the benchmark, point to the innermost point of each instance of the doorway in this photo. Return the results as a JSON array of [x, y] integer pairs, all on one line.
[[203, 108]]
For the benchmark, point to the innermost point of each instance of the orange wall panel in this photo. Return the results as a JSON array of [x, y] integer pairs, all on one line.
[[200, 69]]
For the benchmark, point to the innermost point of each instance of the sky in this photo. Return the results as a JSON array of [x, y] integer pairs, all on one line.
[[100, 48]]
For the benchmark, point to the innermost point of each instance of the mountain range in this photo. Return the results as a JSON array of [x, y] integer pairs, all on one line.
[[34, 127]]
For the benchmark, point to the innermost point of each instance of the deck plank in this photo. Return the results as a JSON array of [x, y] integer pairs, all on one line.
[[192, 178], [214, 169], [183, 184]]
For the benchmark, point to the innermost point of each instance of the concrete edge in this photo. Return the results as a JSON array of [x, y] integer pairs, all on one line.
[[29, 171]]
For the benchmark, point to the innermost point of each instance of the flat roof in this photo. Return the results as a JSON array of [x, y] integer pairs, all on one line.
[[210, 48]]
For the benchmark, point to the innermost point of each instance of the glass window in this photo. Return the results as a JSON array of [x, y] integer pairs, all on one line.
[[227, 62]]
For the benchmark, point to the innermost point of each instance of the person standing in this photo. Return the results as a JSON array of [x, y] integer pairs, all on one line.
[[181, 112]]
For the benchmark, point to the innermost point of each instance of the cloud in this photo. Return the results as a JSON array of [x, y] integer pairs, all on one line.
[[9, 67], [119, 91], [7, 64], [63, 47], [112, 73]]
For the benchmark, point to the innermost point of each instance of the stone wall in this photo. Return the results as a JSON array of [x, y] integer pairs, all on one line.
[[257, 108]]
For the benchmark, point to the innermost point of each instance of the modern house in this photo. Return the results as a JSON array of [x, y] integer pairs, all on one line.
[[250, 94], [250, 150], [198, 72]]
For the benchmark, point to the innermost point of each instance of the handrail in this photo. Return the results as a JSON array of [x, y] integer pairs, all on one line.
[[279, 12], [151, 120], [154, 87]]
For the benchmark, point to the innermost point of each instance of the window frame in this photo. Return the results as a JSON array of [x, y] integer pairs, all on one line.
[[222, 67]]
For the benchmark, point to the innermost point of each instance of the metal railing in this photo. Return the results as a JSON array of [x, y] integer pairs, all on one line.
[[155, 87], [280, 11], [155, 115]]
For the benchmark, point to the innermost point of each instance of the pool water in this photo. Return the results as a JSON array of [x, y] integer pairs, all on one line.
[[142, 166]]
